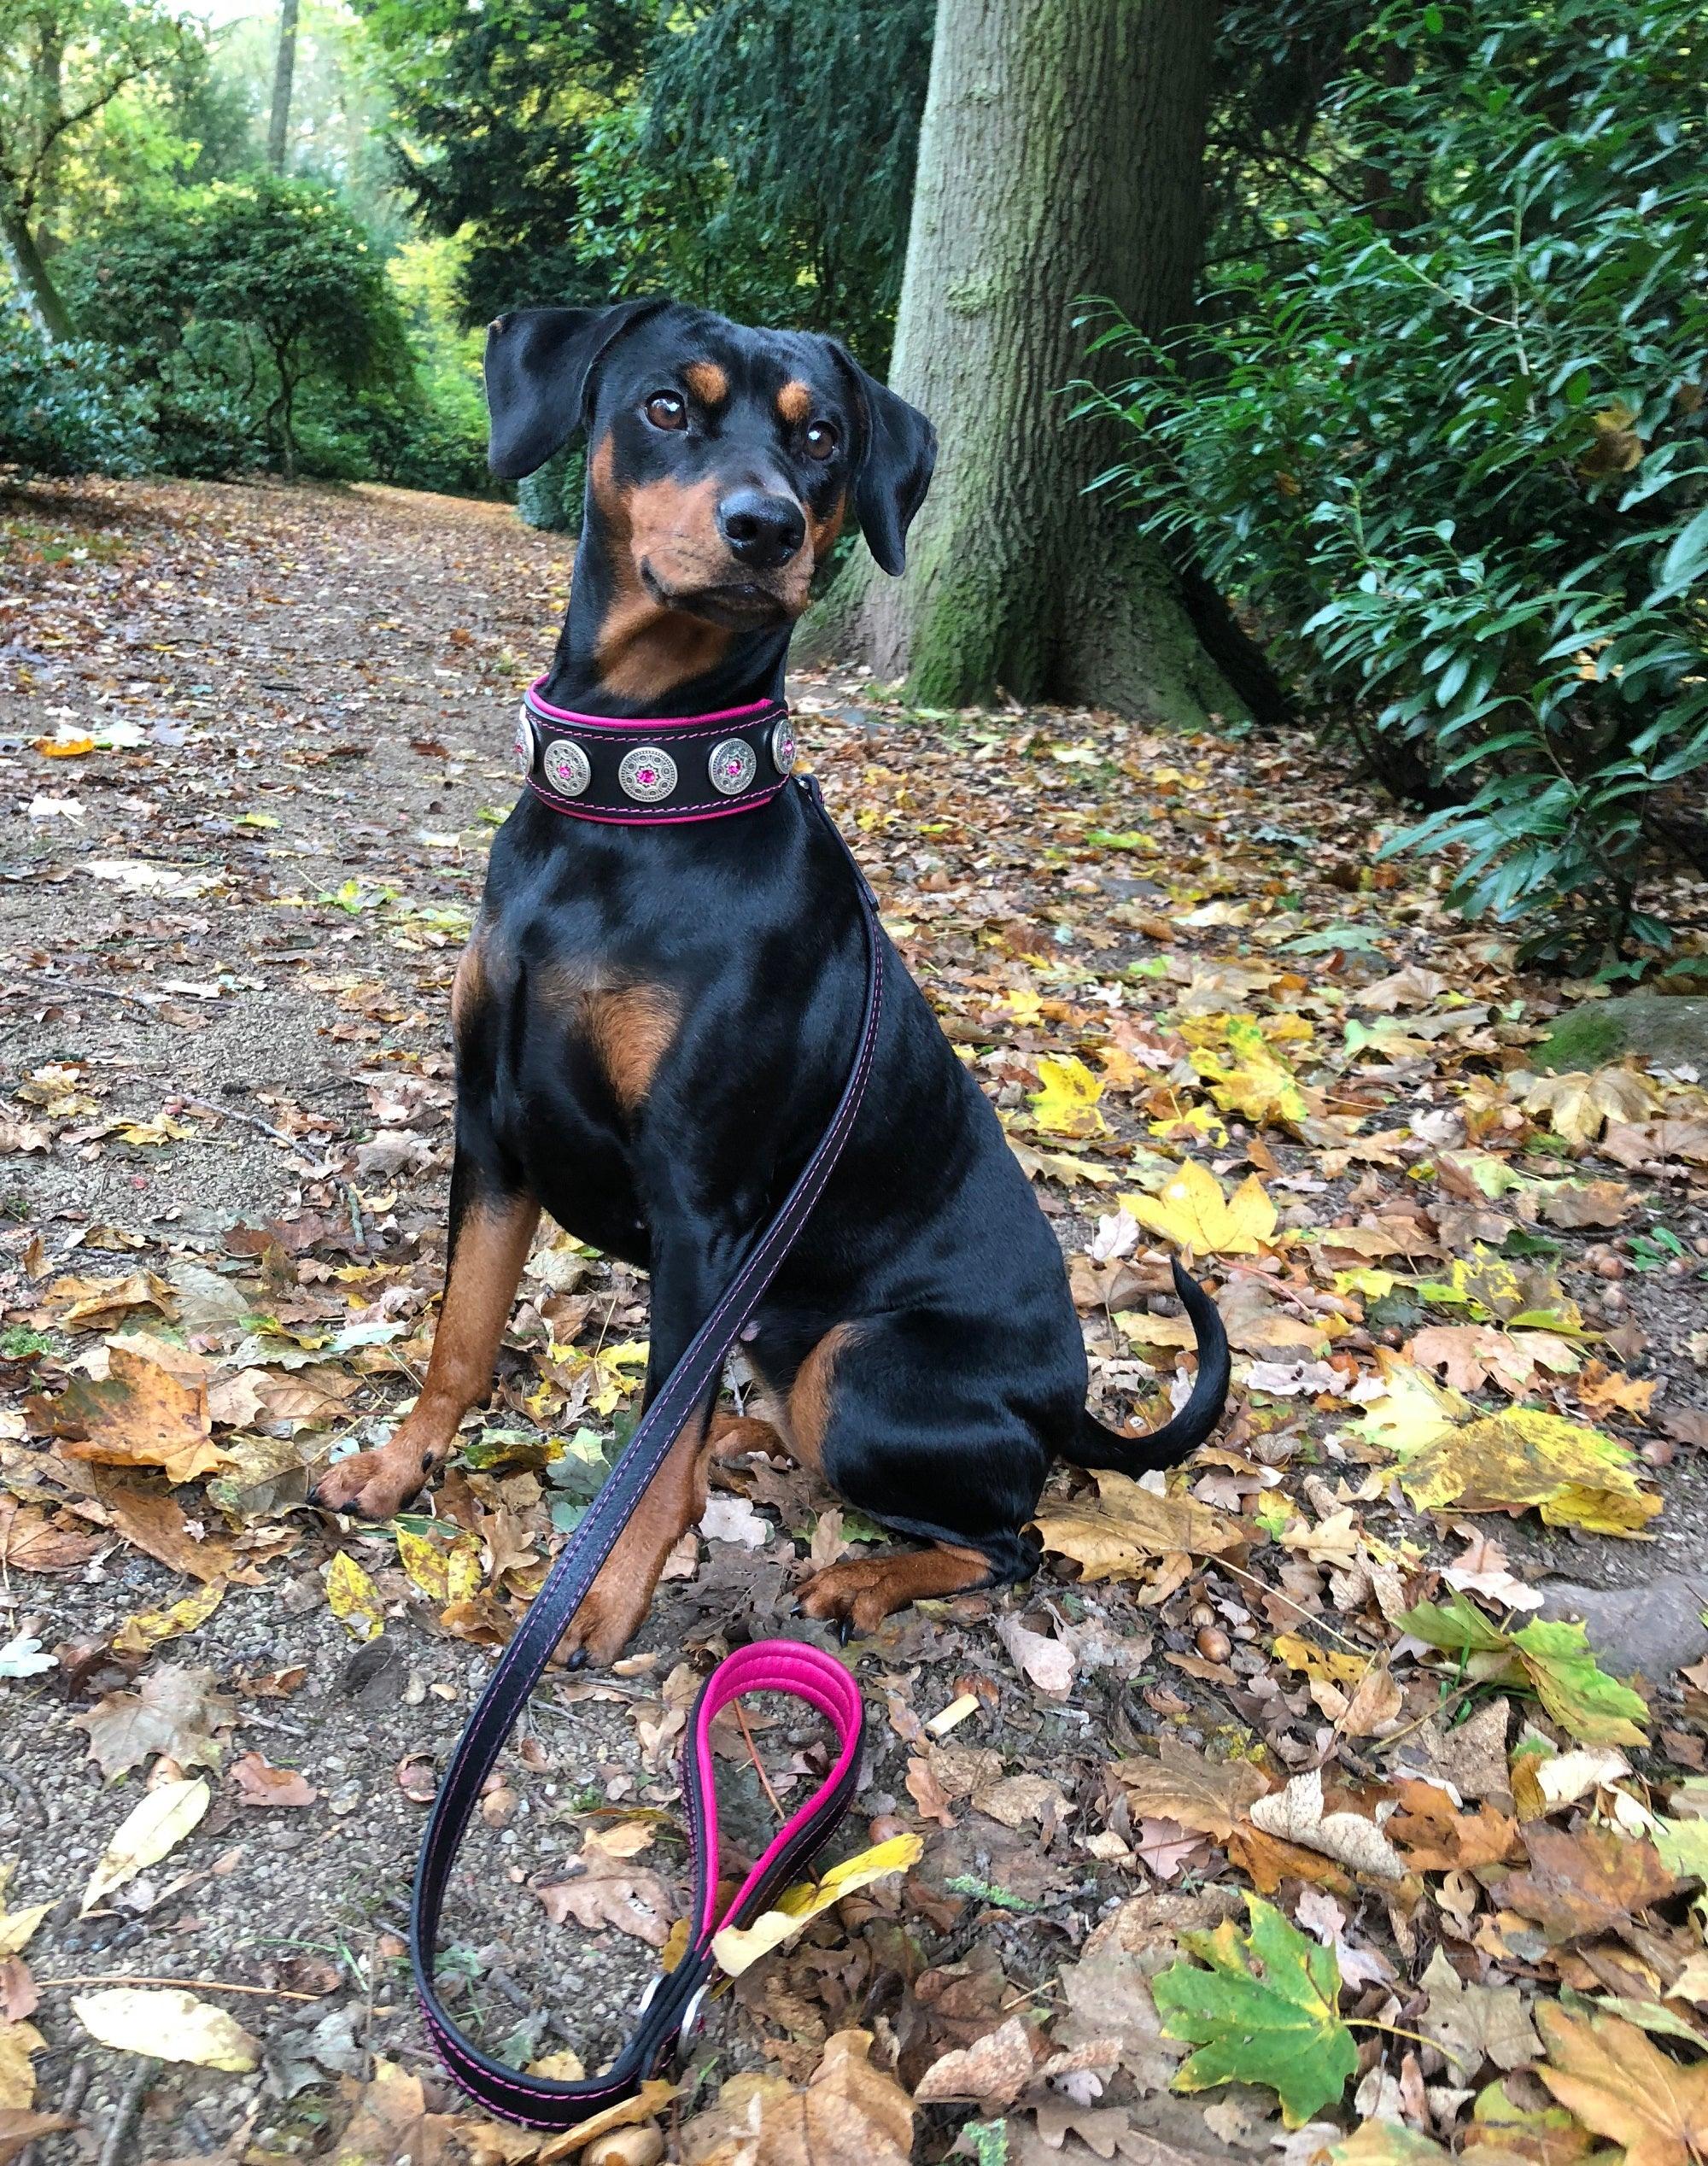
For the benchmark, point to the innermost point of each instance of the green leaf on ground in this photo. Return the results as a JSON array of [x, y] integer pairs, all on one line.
[[1265, 2011]]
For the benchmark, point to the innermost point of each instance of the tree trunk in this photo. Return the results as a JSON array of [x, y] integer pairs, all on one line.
[[278, 127], [1061, 157], [34, 280]]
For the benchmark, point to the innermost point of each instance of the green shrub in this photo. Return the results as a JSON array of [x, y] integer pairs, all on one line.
[[1453, 450], [68, 408]]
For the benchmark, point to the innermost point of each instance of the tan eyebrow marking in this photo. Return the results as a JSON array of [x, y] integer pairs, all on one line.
[[708, 383], [794, 401]]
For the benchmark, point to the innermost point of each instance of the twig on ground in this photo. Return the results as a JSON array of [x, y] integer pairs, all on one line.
[[197, 1985], [14, 1781], [113, 2150], [758, 1765], [255, 1120], [70, 2105]]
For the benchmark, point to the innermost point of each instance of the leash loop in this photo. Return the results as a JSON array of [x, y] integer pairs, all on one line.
[[669, 2010]]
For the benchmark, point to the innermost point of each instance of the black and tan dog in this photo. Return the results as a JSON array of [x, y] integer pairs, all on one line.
[[653, 1024]]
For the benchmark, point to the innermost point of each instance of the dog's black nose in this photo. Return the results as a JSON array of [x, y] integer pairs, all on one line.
[[762, 531]]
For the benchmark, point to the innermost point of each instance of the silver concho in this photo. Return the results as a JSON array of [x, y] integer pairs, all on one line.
[[647, 774], [523, 746], [568, 769], [731, 766], [783, 746]]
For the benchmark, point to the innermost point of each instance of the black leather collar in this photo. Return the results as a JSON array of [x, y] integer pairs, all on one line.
[[651, 773]]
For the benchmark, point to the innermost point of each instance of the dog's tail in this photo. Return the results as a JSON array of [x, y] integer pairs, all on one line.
[[1098, 1445]]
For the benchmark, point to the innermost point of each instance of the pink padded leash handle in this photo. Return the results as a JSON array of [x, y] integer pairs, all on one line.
[[772, 1666]]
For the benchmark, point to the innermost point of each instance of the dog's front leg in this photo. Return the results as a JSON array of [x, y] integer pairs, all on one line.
[[689, 1276], [491, 1230]]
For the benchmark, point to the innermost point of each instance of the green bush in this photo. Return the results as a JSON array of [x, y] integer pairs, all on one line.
[[68, 408], [1452, 450]]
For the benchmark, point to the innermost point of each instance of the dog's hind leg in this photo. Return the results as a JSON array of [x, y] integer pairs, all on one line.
[[491, 1229]]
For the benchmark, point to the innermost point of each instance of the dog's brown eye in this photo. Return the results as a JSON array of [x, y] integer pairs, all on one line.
[[821, 440], [667, 410]]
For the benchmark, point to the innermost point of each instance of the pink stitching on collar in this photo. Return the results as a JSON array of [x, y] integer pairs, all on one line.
[[642, 722]]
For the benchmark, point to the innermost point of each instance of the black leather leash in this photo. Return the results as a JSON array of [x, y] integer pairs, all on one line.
[[671, 2003]]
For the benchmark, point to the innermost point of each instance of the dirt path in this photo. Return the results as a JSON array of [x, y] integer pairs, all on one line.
[[227, 928]]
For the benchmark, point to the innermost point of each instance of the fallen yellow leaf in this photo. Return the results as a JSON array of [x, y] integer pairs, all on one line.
[[167, 2026], [1192, 1213], [1132, 1527], [159, 1822], [148, 1628], [353, 1599], [738, 1947], [1067, 1103]]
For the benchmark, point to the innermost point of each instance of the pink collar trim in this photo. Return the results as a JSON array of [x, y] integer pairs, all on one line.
[[543, 707]]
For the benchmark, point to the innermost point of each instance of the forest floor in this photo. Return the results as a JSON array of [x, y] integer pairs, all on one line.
[[255, 744]]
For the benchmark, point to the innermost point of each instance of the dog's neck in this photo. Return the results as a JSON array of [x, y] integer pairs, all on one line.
[[624, 653]]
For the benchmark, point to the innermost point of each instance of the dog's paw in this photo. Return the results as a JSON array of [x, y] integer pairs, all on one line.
[[601, 1628], [855, 1597], [372, 1485]]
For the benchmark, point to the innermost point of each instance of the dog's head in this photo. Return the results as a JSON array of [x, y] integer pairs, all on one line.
[[722, 461]]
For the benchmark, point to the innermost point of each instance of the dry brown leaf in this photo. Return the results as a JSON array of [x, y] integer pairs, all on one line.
[[1132, 1527], [1296, 1815], [1590, 1881], [152, 1522], [259, 1783], [634, 1901], [391, 2124], [1476, 2023], [175, 1712], [1617, 2084], [30, 1543], [994, 2070], [850, 2114], [1183, 1784], [141, 1413]]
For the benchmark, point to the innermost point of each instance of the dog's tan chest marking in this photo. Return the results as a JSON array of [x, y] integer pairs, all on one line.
[[630, 1026]]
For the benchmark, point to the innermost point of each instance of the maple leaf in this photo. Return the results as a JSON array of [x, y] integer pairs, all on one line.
[[1258, 1084], [1605, 2071], [850, 2114], [174, 1712], [1574, 1475], [1067, 1103], [1191, 1212], [1583, 1698], [1183, 1784], [1580, 1105], [151, 1409], [1265, 2011], [1474, 2024], [1132, 1526]]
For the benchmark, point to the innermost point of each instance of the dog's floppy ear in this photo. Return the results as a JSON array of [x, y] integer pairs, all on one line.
[[897, 452], [539, 367]]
